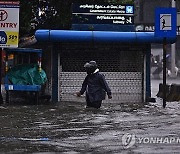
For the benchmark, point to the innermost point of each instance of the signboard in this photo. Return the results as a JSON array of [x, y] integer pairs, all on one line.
[[165, 22], [144, 27], [103, 14], [9, 24]]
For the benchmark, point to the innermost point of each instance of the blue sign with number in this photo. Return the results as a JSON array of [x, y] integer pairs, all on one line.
[[165, 22]]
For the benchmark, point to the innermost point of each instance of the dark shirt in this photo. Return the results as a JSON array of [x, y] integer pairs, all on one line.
[[96, 87]]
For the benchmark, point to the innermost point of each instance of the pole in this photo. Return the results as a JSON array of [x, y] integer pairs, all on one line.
[[173, 50], [164, 72], [1, 98]]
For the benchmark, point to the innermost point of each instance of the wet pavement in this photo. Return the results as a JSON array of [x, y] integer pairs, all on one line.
[[68, 127]]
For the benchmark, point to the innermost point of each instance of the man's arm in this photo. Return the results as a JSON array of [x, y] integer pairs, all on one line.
[[83, 88], [105, 86]]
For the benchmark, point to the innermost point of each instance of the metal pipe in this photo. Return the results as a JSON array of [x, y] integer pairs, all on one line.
[[1, 98], [164, 73], [173, 52], [99, 36]]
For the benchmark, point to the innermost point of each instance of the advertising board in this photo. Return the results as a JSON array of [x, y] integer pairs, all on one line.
[[9, 24]]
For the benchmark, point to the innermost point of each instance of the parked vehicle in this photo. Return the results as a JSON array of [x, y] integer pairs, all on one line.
[[24, 76]]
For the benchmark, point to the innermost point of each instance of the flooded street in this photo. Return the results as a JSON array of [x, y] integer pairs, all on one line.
[[69, 127]]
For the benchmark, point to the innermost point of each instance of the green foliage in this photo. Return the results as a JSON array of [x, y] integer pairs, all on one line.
[[26, 16]]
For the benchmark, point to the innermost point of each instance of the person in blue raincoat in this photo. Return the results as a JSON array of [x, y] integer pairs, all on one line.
[[95, 86]]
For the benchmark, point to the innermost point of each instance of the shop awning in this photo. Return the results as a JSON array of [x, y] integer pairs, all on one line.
[[99, 36]]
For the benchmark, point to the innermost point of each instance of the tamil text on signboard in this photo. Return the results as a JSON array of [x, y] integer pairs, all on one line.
[[103, 14]]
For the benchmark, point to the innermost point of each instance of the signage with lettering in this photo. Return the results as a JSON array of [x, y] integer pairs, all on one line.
[[165, 22], [103, 14], [9, 24], [144, 27]]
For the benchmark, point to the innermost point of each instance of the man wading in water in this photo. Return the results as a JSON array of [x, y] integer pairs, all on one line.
[[95, 86]]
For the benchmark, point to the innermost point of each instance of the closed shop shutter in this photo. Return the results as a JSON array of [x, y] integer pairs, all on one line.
[[122, 65]]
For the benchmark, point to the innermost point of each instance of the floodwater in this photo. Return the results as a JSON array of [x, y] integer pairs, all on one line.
[[68, 127]]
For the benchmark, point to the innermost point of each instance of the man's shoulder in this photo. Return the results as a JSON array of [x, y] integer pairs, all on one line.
[[100, 74]]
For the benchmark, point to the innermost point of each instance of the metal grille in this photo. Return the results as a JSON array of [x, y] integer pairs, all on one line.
[[121, 65]]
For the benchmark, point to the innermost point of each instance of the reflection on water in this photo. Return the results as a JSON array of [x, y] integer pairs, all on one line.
[[69, 127]]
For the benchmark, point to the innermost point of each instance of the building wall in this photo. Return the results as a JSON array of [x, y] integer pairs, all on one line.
[[145, 15], [145, 9]]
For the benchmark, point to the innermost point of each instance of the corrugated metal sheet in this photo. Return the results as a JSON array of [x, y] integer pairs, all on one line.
[[123, 69]]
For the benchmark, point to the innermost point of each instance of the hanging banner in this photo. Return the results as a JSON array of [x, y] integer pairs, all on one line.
[[9, 24]]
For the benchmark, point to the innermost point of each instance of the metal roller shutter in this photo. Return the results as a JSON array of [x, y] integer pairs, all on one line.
[[122, 65]]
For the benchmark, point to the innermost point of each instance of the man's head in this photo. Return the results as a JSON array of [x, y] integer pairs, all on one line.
[[90, 67], [93, 63]]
